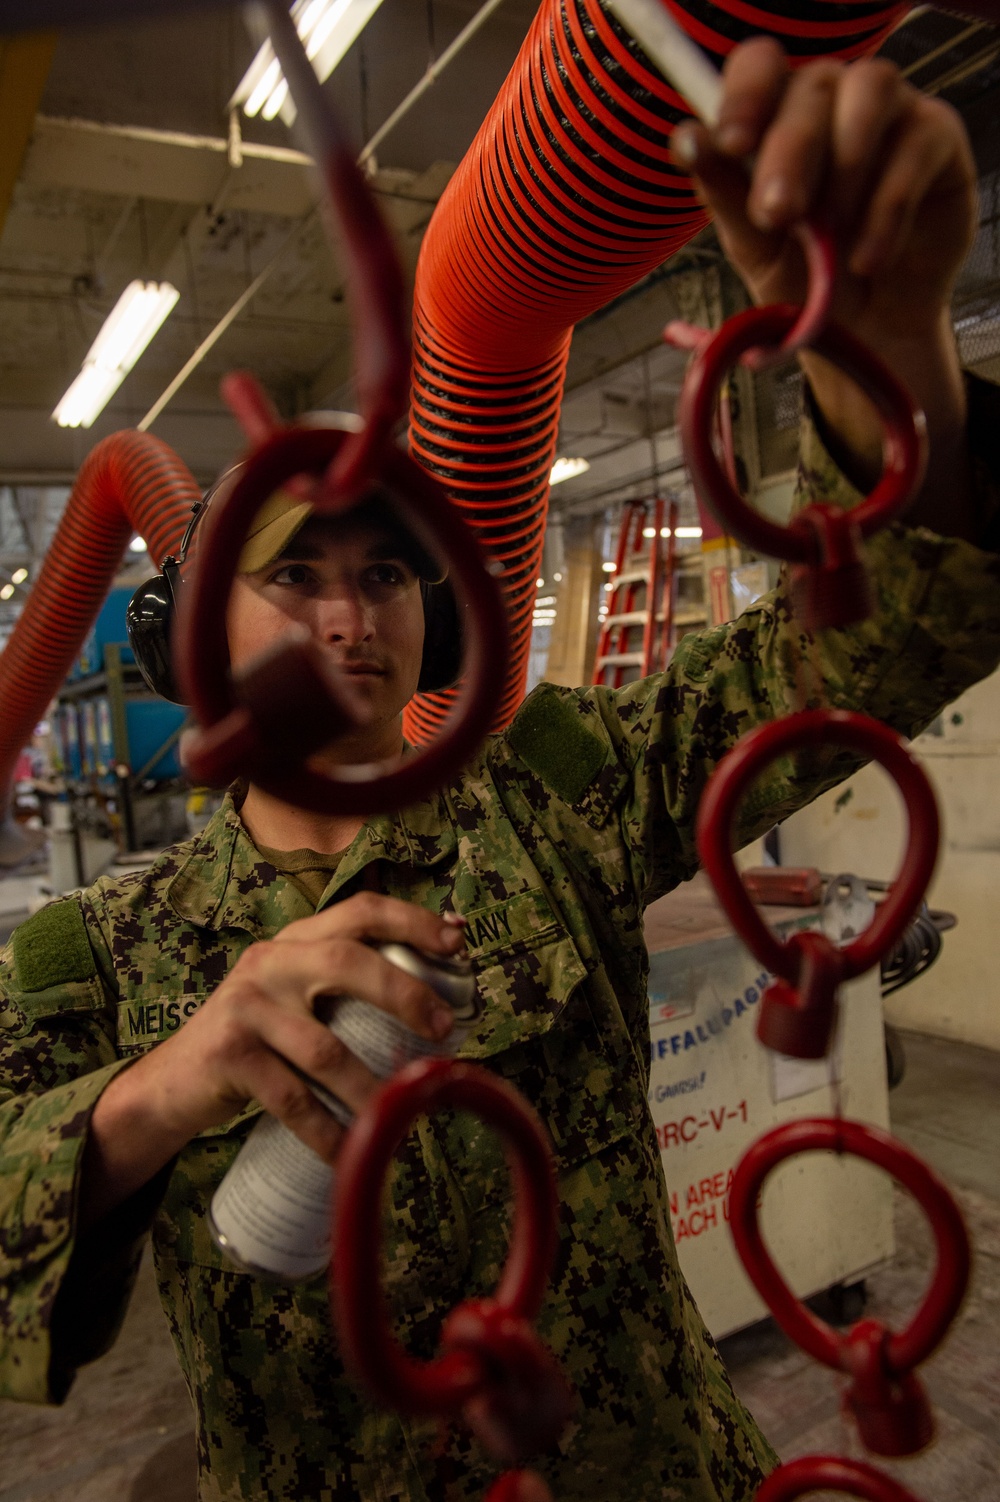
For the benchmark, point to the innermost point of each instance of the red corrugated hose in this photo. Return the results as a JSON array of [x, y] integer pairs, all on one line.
[[566, 198], [130, 482]]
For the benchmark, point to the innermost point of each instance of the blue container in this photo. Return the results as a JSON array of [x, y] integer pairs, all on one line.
[[149, 723], [108, 627]]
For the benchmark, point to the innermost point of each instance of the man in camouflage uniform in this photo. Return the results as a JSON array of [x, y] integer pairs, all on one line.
[[141, 1022]]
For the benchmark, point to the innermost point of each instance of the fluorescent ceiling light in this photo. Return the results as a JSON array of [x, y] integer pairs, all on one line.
[[19, 575], [327, 29], [6, 592], [127, 330], [688, 531], [567, 469]]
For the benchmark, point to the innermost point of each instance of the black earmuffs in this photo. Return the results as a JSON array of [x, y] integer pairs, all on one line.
[[149, 620]]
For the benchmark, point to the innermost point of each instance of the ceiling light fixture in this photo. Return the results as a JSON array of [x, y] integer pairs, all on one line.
[[19, 575], [6, 591], [327, 29], [567, 469], [128, 328], [138, 545], [688, 531]]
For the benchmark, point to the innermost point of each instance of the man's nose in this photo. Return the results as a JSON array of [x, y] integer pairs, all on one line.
[[343, 617]]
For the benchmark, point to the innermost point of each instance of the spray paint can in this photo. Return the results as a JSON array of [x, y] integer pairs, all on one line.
[[271, 1214]]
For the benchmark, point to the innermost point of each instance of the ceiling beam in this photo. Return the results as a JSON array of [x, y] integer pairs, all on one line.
[[172, 166]]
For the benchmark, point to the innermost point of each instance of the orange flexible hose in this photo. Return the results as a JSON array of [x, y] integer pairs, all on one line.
[[567, 196], [130, 482]]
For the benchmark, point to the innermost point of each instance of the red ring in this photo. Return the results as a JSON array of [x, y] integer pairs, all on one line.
[[820, 251], [203, 653], [716, 816], [394, 1377], [904, 445], [909, 1347], [831, 1473]]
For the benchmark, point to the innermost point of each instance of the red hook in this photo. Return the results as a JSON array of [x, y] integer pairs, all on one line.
[[886, 1398], [830, 586], [820, 253], [492, 1368], [289, 703], [798, 1009], [377, 301], [831, 1473]]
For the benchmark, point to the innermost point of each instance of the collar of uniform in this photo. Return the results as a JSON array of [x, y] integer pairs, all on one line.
[[220, 884], [421, 835]]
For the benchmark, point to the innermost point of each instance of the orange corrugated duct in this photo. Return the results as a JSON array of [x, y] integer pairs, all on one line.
[[565, 199], [130, 482]]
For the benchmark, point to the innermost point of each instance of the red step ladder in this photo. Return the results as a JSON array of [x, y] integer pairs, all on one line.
[[638, 632]]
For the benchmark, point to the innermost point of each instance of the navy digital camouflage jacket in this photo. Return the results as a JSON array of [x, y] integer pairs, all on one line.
[[552, 842]]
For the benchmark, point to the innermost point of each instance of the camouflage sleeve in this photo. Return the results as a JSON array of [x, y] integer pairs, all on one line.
[[935, 631], [61, 1300]]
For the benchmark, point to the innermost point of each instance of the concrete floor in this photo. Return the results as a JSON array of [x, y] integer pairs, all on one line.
[[124, 1433]]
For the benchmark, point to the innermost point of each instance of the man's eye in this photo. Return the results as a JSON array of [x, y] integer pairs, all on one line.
[[292, 573], [386, 573]]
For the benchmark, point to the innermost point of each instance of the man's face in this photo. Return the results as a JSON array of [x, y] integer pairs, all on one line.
[[359, 599]]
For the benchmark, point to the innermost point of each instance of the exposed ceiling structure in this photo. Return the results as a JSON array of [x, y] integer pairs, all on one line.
[[120, 160]]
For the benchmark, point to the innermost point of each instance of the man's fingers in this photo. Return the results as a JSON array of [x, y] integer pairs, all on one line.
[[722, 182], [870, 101], [295, 975], [293, 1103], [314, 1050], [754, 80], [928, 166], [371, 916], [792, 162]]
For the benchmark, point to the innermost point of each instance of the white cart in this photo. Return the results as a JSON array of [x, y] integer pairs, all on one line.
[[714, 1090]]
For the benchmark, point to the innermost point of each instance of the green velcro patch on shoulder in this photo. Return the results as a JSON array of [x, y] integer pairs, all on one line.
[[51, 947], [555, 743]]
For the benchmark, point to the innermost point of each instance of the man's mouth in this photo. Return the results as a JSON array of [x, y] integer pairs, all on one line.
[[362, 670]]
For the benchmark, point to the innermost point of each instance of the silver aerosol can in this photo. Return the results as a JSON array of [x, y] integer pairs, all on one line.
[[271, 1213]]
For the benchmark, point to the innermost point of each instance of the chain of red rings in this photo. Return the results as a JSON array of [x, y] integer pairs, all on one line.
[[798, 1012], [492, 1369]]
